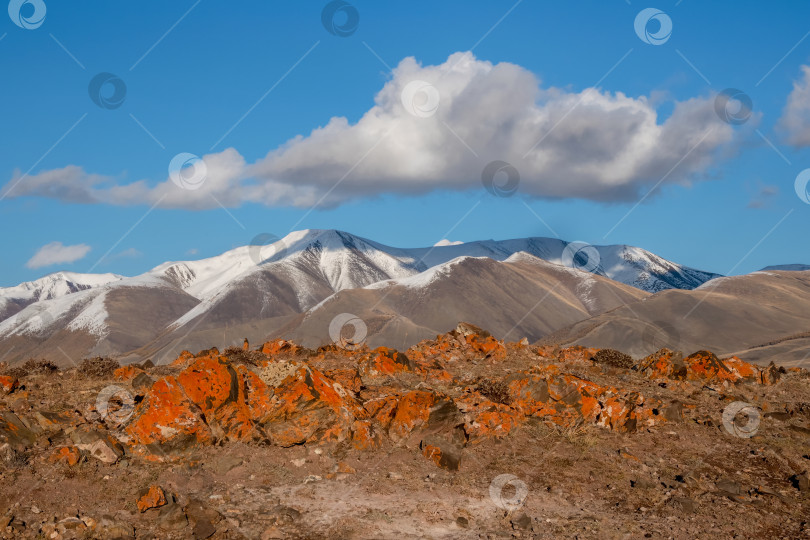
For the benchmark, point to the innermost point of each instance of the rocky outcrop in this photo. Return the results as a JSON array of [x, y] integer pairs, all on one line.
[[425, 399], [369, 399]]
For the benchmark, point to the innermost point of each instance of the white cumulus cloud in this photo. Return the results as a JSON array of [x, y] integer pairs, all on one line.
[[794, 124], [57, 253], [590, 144]]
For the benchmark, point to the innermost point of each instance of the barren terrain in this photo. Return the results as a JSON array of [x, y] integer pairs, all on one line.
[[462, 436]]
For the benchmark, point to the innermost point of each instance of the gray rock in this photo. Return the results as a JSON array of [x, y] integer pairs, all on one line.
[[14, 432], [142, 381], [99, 445]]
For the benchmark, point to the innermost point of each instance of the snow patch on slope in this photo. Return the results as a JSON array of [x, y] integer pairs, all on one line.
[[93, 317]]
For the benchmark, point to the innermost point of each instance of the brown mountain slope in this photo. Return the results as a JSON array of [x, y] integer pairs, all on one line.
[[727, 315], [135, 315], [522, 297]]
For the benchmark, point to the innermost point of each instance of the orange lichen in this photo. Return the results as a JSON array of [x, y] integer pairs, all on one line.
[[218, 390], [8, 384], [279, 346], [167, 417], [126, 373], [153, 498], [69, 455], [413, 410]]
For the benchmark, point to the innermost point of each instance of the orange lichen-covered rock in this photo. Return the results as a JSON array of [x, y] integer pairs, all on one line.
[[366, 435], [279, 346], [258, 394], [445, 348], [8, 384], [486, 419], [153, 497], [348, 378], [381, 409], [14, 432], [704, 366], [218, 390], [564, 399], [433, 453], [663, 364], [69, 455], [412, 411], [308, 407], [213, 352], [126, 373], [54, 421], [182, 360], [166, 420], [601, 405], [487, 346], [381, 363]]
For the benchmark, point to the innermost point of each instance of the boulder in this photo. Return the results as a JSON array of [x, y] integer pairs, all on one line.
[[217, 389], [166, 421], [307, 407], [8, 384]]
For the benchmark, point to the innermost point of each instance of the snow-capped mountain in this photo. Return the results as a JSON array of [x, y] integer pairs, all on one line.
[[255, 289], [54, 286], [14, 299]]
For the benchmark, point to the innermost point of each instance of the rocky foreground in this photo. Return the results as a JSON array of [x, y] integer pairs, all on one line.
[[463, 436]]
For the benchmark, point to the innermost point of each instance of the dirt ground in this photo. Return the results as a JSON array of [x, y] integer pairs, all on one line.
[[687, 477]]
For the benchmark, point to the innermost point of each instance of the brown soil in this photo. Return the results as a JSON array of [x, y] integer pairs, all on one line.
[[683, 478]]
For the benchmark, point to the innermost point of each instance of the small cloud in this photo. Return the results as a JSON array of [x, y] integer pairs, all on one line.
[[794, 125], [130, 253], [192, 251], [764, 196], [56, 253], [446, 242]]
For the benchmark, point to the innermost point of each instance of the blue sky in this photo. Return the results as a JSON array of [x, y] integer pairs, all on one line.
[[192, 70]]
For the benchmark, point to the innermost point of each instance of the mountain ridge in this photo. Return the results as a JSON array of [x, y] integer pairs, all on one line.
[[258, 289]]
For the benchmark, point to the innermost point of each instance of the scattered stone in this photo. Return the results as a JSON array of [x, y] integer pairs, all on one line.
[[801, 481], [674, 411], [68, 455], [98, 444], [152, 497], [14, 432], [110, 528], [522, 521], [344, 468], [171, 516], [282, 515], [8, 384], [202, 519], [142, 381]]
